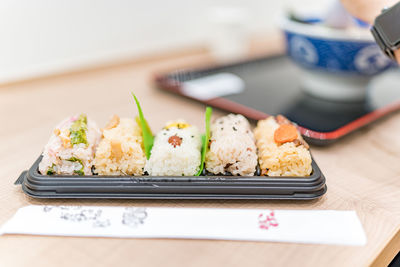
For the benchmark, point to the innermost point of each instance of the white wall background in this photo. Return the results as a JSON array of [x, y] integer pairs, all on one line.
[[49, 36]]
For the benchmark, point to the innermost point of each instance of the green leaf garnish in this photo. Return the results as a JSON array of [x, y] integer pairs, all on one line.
[[205, 139], [148, 138], [50, 170], [78, 131], [80, 171]]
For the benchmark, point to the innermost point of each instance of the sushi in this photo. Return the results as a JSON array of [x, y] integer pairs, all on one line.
[[176, 151], [70, 150], [232, 148], [281, 149], [120, 152]]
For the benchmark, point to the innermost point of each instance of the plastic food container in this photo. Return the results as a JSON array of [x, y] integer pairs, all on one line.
[[172, 187]]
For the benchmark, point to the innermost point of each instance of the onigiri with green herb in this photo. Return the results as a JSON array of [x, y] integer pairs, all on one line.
[[71, 148]]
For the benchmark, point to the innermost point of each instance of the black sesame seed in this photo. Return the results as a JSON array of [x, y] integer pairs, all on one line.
[[233, 127], [192, 136]]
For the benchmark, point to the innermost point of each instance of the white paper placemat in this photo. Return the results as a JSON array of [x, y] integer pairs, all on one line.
[[300, 226]]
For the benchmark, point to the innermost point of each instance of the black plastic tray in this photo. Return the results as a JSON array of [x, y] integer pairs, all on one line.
[[273, 86], [172, 187]]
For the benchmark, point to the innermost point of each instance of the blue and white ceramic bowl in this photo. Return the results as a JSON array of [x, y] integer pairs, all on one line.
[[337, 63]]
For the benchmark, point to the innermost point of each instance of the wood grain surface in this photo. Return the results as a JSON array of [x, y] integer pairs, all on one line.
[[362, 172]]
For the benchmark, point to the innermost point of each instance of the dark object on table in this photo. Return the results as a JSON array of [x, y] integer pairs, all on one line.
[[386, 30], [272, 87]]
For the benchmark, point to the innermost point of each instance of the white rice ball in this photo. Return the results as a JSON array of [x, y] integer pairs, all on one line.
[[176, 151]]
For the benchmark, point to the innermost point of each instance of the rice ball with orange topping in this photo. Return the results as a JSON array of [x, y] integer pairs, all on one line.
[[281, 149]]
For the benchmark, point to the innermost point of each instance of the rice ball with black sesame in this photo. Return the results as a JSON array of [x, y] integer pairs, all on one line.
[[232, 148]]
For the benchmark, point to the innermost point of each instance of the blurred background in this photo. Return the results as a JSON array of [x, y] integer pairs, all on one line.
[[332, 74], [45, 37]]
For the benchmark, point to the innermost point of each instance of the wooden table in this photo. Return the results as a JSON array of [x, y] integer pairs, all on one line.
[[362, 172]]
